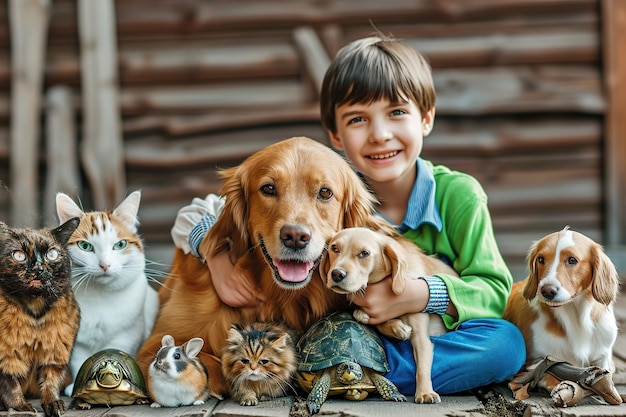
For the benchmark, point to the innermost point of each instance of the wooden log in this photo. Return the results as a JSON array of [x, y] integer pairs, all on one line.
[[313, 54], [62, 173], [102, 148], [28, 21], [196, 15], [181, 124], [614, 32]]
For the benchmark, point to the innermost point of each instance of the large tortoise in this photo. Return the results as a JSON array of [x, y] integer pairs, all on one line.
[[339, 355], [109, 377]]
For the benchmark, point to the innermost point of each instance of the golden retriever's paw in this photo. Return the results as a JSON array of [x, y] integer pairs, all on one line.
[[361, 316], [427, 398]]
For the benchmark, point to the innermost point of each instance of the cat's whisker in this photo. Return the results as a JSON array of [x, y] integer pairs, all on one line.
[[294, 390], [79, 280]]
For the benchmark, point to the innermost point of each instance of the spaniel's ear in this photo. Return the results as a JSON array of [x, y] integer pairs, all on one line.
[[605, 280], [392, 253], [530, 290], [230, 231]]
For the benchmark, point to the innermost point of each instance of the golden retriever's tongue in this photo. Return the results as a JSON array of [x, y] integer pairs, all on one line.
[[293, 271]]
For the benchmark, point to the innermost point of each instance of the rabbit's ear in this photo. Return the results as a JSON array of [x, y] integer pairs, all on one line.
[[167, 340], [193, 347]]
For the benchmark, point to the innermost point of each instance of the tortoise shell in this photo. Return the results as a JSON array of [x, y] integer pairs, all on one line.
[[336, 339], [110, 377], [339, 338]]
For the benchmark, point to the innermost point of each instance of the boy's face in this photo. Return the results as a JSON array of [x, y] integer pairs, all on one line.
[[381, 139]]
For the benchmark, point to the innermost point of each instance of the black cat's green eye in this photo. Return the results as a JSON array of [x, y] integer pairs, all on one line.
[[52, 255], [19, 255], [84, 245], [120, 244]]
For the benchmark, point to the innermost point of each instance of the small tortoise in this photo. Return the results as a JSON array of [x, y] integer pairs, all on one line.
[[109, 377], [339, 355]]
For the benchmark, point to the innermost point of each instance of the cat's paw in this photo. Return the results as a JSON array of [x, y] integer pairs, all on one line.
[[155, 405], [249, 400], [53, 408], [23, 407], [198, 402]]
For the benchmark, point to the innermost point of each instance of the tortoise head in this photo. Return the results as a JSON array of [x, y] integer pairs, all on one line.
[[109, 374], [349, 372]]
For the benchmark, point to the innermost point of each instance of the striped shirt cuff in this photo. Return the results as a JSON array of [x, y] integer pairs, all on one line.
[[198, 232], [438, 299]]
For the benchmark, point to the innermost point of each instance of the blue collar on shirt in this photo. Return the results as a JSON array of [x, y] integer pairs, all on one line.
[[422, 208]]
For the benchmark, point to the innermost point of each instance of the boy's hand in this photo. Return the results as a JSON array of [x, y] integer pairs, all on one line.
[[232, 285], [382, 304]]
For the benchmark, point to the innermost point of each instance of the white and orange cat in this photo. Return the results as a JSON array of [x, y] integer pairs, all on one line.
[[118, 305]]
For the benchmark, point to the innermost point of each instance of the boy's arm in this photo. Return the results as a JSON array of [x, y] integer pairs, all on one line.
[[194, 221], [190, 227], [486, 281]]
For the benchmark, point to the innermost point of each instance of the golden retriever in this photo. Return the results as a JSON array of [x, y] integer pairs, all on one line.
[[360, 256], [282, 206]]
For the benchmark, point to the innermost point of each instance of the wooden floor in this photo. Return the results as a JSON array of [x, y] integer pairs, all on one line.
[[450, 406]]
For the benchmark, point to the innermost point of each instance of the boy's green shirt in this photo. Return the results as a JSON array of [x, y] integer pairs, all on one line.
[[468, 241]]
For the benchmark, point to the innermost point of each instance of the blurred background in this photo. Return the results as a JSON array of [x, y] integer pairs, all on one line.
[[99, 98]]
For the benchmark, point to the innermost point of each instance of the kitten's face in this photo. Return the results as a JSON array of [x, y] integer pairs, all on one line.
[[35, 263], [259, 352]]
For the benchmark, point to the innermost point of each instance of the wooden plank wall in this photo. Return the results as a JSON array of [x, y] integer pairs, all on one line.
[[205, 83]]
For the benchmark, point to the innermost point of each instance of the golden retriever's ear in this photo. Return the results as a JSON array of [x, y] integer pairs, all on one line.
[[358, 202], [605, 279], [392, 251], [530, 290], [230, 231]]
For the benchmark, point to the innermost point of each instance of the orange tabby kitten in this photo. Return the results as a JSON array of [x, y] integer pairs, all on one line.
[[258, 362]]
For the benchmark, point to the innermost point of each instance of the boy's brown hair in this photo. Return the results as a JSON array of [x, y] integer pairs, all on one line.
[[375, 68]]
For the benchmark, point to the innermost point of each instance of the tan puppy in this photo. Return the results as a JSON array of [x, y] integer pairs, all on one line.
[[359, 256]]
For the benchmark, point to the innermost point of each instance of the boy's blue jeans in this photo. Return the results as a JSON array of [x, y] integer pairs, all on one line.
[[479, 352]]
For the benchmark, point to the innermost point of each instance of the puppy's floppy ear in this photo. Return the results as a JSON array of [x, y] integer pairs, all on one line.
[[605, 279], [325, 264], [392, 251], [530, 290], [230, 231]]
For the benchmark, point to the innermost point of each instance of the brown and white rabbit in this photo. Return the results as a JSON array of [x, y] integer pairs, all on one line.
[[176, 377]]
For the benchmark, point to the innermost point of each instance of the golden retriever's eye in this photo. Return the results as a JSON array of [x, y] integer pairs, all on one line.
[[364, 254], [572, 261], [334, 248], [541, 260], [325, 194], [268, 189]]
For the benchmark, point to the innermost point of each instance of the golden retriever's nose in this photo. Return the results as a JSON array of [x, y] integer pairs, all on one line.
[[339, 274], [295, 236]]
